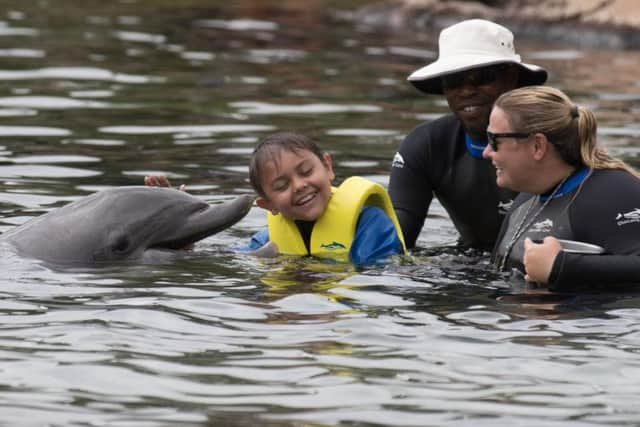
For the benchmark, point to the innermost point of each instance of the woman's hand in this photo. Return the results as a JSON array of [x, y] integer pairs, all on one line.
[[539, 258]]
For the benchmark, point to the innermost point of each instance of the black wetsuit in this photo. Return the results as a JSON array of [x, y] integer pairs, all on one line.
[[434, 160], [602, 209]]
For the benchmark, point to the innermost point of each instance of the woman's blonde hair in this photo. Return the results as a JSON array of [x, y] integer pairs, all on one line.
[[570, 129]]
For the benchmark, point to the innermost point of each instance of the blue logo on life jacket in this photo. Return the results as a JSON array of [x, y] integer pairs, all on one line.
[[333, 246]]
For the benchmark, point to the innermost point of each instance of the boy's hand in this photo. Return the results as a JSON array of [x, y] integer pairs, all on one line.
[[163, 181], [159, 181], [268, 250]]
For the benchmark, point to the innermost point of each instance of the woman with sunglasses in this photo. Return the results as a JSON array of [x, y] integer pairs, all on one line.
[[544, 146]]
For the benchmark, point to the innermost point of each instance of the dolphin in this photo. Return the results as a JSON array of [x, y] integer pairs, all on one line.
[[123, 224]]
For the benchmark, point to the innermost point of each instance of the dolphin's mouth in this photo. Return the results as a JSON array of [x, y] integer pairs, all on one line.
[[174, 246], [178, 245], [204, 221], [185, 242]]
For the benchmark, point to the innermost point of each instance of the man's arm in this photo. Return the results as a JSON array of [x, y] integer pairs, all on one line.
[[411, 226], [410, 190]]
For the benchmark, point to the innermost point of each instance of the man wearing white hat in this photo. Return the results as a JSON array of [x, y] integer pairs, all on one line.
[[476, 64]]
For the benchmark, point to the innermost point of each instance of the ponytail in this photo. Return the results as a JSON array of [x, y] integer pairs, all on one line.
[[570, 129]]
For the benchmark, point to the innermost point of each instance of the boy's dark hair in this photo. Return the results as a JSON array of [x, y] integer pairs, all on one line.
[[269, 148]]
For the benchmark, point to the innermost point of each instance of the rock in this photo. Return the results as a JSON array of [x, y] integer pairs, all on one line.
[[583, 23]]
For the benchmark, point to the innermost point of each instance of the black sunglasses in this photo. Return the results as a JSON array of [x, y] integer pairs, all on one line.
[[474, 77], [493, 137]]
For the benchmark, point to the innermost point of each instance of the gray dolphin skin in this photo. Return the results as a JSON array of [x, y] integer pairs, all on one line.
[[123, 224]]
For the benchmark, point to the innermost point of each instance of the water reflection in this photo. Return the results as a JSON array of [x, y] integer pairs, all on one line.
[[31, 130], [257, 108], [44, 171], [77, 73], [51, 103], [238, 24]]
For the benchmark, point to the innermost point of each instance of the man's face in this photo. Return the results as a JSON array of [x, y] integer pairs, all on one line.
[[471, 94]]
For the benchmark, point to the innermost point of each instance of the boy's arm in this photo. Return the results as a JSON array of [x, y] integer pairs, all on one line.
[[376, 237], [260, 245], [257, 241]]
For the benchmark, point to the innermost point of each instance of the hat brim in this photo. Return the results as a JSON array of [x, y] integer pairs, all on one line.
[[428, 79]]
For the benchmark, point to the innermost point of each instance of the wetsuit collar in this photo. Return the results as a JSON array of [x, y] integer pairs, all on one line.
[[571, 183], [475, 147]]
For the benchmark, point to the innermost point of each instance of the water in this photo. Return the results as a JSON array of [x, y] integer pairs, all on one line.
[[98, 95]]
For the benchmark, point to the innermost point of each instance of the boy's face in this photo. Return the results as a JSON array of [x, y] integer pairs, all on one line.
[[297, 185]]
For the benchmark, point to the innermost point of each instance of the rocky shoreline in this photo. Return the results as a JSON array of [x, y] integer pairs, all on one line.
[[611, 24]]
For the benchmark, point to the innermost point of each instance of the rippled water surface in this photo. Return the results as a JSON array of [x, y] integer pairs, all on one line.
[[98, 94]]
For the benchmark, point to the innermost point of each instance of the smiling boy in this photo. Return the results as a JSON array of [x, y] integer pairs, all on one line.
[[308, 216]]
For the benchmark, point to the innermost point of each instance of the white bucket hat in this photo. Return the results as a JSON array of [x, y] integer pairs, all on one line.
[[471, 44]]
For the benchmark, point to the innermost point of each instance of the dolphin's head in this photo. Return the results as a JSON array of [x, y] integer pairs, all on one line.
[[123, 224]]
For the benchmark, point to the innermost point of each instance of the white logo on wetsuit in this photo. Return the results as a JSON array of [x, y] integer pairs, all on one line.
[[398, 161], [629, 217], [542, 226], [503, 207]]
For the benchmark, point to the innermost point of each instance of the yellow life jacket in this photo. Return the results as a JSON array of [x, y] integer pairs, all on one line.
[[334, 231]]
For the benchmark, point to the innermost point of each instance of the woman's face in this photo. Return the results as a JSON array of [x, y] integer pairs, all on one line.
[[512, 156]]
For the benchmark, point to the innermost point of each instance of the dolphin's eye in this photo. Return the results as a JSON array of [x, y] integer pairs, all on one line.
[[121, 245]]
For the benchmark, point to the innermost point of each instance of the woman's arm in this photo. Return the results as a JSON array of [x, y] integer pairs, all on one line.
[[581, 272], [546, 262]]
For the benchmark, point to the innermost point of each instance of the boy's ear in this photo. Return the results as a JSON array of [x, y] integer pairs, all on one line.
[[265, 204], [328, 163]]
